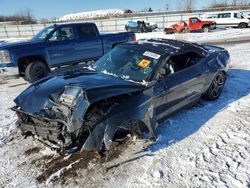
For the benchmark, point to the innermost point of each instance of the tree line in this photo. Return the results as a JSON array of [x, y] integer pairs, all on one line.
[[26, 16], [189, 5], [22, 17]]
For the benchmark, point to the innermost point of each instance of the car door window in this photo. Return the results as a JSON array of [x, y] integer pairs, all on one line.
[[211, 16], [62, 34], [238, 16], [179, 62], [194, 20], [85, 31]]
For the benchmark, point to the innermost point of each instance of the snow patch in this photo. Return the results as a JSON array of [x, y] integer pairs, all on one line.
[[92, 14]]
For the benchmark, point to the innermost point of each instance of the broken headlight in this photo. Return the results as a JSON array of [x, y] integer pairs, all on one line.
[[69, 95]]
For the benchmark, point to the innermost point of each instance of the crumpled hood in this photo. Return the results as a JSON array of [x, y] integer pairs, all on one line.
[[97, 86]]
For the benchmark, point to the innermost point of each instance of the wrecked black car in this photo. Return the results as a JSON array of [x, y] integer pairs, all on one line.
[[132, 88], [140, 26]]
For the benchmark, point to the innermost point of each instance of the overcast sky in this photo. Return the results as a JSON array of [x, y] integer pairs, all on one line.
[[56, 8]]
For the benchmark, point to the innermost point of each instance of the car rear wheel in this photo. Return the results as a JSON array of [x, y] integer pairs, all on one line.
[[242, 25], [36, 70], [216, 87]]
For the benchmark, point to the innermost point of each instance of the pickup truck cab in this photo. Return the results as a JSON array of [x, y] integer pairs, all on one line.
[[194, 24], [56, 46]]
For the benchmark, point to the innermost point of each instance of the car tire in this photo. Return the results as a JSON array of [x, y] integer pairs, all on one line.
[[35, 71], [215, 89], [243, 25], [205, 29]]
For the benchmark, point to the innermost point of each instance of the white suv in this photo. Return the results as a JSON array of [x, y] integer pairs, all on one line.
[[228, 18]]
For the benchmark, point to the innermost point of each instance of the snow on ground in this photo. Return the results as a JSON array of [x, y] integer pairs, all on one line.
[[217, 34], [92, 14], [205, 146]]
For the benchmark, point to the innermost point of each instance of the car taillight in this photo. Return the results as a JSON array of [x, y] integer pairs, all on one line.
[[134, 37]]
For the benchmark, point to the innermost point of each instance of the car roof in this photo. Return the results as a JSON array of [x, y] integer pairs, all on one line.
[[168, 46], [221, 12]]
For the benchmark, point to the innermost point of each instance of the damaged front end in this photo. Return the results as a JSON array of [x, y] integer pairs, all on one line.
[[61, 120], [71, 121], [83, 112]]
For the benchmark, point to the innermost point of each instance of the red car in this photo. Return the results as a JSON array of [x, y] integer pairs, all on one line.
[[194, 24]]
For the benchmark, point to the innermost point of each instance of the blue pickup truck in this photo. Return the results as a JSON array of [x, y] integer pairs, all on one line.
[[56, 46]]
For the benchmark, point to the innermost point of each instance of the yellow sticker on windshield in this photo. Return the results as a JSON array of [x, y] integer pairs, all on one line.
[[144, 63]]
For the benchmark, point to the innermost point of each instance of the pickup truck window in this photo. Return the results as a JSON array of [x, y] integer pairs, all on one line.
[[194, 20], [62, 34], [85, 31], [43, 34]]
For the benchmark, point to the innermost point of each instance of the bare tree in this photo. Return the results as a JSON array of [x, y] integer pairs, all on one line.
[[22, 17], [189, 5], [167, 6], [186, 5], [26, 16], [234, 3], [222, 5]]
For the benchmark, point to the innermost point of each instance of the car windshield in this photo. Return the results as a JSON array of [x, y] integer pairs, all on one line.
[[243, 14], [43, 33], [129, 63]]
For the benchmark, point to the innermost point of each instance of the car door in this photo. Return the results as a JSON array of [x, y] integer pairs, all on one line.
[[60, 46], [89, 43], [182, 86], [194, 24], [238, 18]]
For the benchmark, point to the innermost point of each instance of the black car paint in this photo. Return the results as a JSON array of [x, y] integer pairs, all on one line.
[[150, 104]]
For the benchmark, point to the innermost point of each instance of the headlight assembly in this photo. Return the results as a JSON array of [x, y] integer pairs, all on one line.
[[4, 56]]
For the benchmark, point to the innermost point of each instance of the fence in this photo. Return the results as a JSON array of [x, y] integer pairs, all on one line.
[[105, 25]]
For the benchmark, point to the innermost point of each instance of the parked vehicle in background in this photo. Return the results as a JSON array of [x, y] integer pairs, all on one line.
[[140, 26], [194, 24], [56, 46], [228, 18]]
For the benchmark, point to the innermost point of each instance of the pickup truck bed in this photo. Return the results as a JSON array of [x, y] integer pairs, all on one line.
[[56, 46]]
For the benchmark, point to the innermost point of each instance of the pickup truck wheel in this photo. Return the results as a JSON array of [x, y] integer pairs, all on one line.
[[36, 70], [206, 29], [242, 25]]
